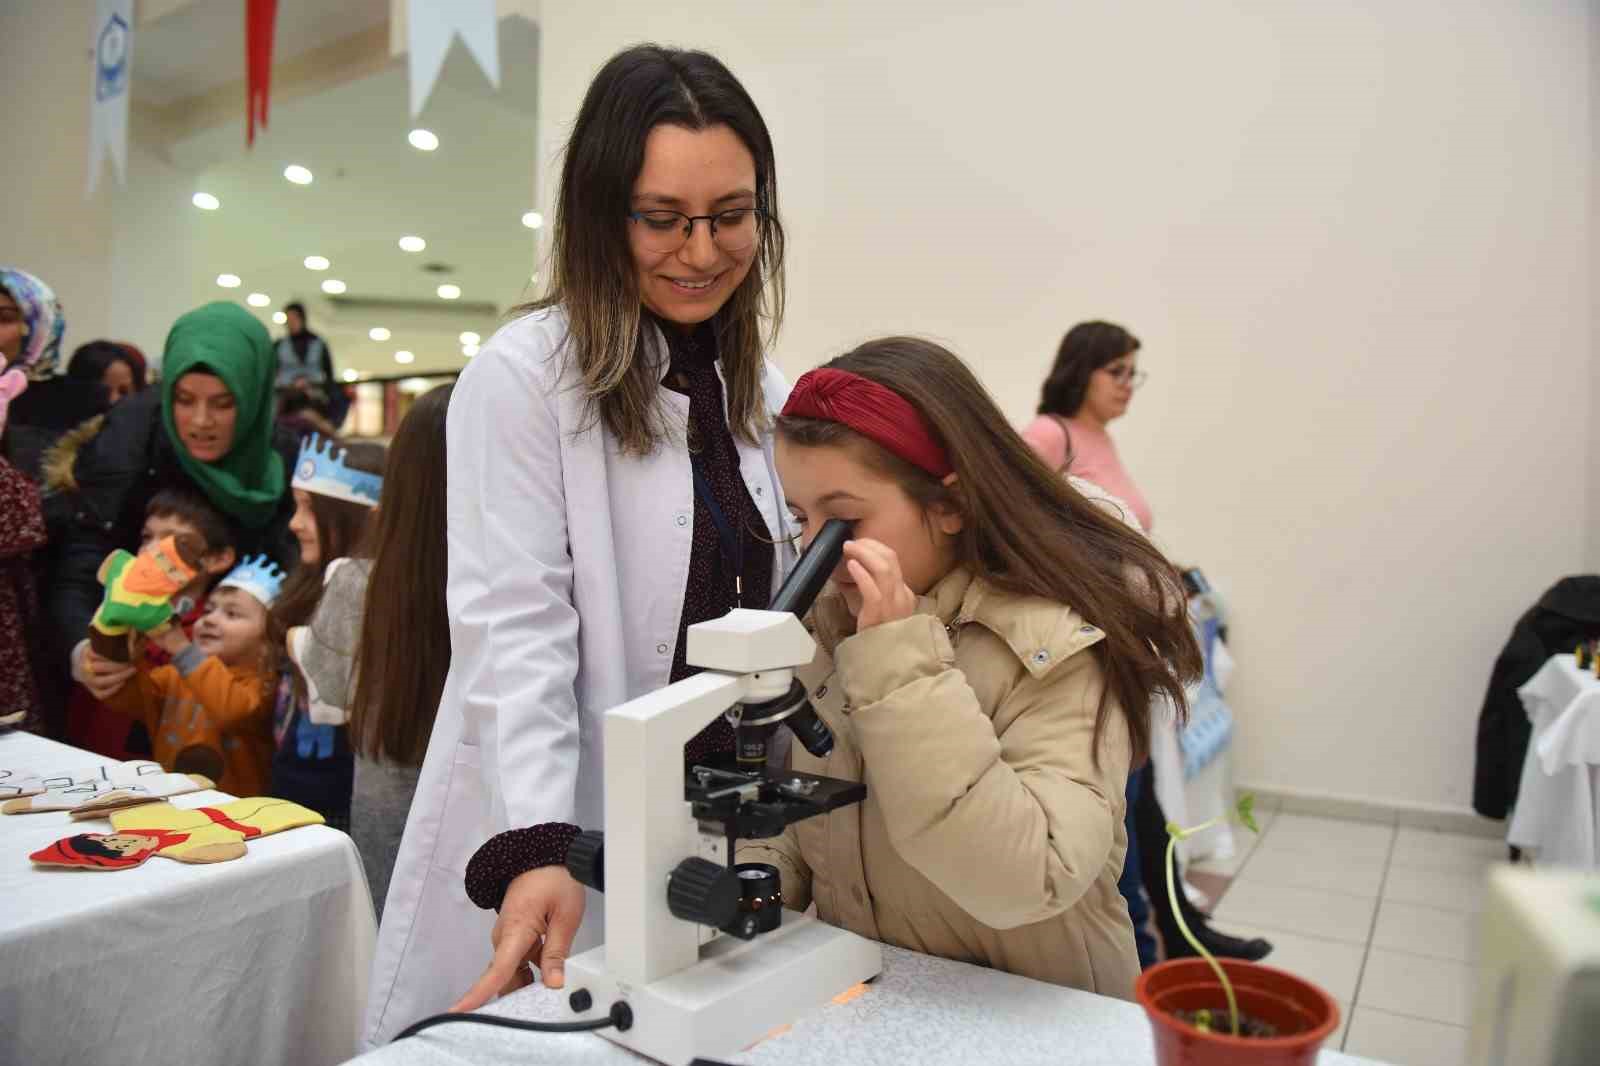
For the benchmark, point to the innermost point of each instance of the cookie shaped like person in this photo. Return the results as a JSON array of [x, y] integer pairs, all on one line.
[[139, 591], [199, 835]]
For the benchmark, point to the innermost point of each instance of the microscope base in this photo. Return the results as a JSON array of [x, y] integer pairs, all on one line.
[[738, 992]]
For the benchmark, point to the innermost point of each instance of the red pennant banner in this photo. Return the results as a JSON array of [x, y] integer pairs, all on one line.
[[259, 18]]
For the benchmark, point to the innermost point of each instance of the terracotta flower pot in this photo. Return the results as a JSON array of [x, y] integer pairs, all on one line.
[[1303, 1014]]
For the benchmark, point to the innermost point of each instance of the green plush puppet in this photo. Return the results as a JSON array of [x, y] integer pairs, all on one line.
[[139, 593]]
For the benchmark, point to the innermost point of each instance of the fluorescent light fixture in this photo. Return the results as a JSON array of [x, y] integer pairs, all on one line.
[[449, 292], [470, 337], [423, 140], [404, 356], [316, 262], [279, 318], [297, 174], [258, 299], [205, 201], [333, 286], [412, 244], [228, 281], [533, 220], [469, 350], [352, 375], [379, 333]]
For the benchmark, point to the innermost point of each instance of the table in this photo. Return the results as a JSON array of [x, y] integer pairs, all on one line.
[[1558, 801], [924, 1010], [259, 960]]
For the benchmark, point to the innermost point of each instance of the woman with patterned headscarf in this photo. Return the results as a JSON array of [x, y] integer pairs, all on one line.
[[208, 430]]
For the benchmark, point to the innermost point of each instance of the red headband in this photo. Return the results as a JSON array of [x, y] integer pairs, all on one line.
[[875, 411]]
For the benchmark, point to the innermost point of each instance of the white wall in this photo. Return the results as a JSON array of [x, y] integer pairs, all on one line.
[[1355, 238]]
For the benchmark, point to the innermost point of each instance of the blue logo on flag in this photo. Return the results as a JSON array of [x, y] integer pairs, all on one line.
[[111, 59]]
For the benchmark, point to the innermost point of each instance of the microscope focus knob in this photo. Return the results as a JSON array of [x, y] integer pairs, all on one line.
[[586, 859], [702, 892]]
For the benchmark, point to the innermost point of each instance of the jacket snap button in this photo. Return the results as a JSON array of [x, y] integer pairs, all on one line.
[[661, 649], [1041, 657], [758, 490], [683, 520]]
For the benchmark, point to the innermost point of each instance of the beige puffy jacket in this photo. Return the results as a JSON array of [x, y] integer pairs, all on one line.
[[988, 833]]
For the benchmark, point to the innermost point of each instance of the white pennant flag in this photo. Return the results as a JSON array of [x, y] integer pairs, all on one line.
[[108, 96], [433, 24]]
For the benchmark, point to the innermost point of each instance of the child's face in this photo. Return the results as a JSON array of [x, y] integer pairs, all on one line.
[[304, 527], [233, 627], [212, 563], [831, 482]]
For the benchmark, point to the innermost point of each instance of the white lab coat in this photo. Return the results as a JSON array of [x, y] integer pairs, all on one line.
[[568, 562]]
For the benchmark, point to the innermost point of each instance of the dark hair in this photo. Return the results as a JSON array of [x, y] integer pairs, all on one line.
[[197, 511], [1026, 530], [1087, 347], [341, 532], [297, 307], [404, 653], [592, 274], [90, 362]]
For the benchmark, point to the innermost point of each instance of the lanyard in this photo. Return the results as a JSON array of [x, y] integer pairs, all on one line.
[[732, 543]]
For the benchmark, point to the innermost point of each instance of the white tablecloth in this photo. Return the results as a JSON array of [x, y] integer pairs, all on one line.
[[1558, 800], [923, 1010], [260, 960]]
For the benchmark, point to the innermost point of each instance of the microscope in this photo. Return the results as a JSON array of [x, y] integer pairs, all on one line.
[[698, 946]]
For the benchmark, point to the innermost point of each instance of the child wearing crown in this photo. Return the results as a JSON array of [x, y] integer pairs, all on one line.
[[208, 710], [336, 490]]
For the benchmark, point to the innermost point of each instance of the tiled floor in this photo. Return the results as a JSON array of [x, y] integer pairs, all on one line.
[[1383, 918]]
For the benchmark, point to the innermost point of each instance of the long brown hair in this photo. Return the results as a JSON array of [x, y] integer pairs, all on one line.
[[341, 533], [404, 653], [592, 273], [1027, 531]]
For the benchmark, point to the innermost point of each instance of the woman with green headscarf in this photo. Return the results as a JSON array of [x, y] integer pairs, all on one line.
[[208, 430]]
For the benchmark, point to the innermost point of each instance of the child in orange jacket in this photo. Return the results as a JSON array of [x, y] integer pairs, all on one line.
[[210, 712]]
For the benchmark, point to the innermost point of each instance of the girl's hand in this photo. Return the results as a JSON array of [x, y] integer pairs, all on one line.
[[885, 596], [102, 677]]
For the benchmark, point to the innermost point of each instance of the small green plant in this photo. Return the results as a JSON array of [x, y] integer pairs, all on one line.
[[1244, 811]]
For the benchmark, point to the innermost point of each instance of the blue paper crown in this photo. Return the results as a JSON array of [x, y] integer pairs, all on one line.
[[321, 469], [257, 575]]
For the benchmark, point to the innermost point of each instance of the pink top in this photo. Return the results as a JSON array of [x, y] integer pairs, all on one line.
[[1094, 458]]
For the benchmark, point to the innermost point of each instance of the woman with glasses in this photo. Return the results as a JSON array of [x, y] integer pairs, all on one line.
[[610, 483]]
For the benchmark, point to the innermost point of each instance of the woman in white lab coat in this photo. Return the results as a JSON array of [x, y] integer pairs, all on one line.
[[610, 482]]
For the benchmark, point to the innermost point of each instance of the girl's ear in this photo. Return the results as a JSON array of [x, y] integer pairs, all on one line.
[[219, 562], [948, 517]]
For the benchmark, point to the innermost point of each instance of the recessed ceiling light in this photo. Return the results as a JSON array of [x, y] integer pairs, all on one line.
[[533, 220], [316, 262], [333, 286], [423, 140], [258, 299], [297, 174], [205, 201], [412, 244], [404, 356], [470, 337], [279, 318], [469, 350], [378, 333], [449, 292], [352, 375], [228, 281]]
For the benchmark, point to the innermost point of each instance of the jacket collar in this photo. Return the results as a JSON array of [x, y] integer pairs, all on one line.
[[1040, 633]]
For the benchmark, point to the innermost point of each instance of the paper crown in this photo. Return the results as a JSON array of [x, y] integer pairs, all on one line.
[[257, 575], [321, 469]]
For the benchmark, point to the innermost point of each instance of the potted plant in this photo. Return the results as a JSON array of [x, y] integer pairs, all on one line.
[[1206, 1012]]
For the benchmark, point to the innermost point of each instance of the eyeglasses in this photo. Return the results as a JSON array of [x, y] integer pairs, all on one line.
[[1126, 375], [666, 231]]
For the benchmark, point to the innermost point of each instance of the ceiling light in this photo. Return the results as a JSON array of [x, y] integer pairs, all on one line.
[[297, 174], [470, 337], [469, 350], [533, 220], [205, 201], [228, 281], [423, 140], [378, 333], [449, 292], [333, 286], [352, 375], [258, 299], [279, 318], [403, 356], [316, 262], [412, 244]]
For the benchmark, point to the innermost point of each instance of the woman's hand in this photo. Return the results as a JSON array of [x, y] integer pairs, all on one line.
[[102, 677], [538, 920], [885, 596]]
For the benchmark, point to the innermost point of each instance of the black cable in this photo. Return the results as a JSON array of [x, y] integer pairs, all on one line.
[[621, 1016]]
